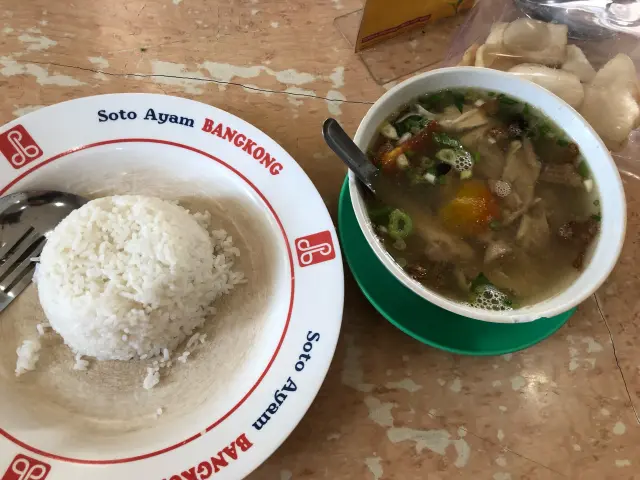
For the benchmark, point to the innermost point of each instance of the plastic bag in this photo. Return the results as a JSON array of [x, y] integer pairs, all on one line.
[[588, 61]]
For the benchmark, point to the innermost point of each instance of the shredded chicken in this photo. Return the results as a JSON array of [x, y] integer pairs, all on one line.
[[496, 250], [493, 158], [466, 121], [440, 245], [512, 217], [561, 174], [534, 233], [521, 172], [582, 234]]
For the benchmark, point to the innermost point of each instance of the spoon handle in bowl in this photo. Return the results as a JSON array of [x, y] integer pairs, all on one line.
[[349, 153]]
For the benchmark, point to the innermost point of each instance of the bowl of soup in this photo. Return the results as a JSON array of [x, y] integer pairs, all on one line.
[[501, 202]]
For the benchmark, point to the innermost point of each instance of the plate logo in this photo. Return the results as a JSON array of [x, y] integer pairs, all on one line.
[[26, 468], [19, 147], [316, 248]]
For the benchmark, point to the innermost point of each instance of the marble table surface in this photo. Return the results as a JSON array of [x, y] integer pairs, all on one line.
[[390, 408]]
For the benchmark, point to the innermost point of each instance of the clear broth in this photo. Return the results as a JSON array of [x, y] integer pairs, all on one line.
[[486, 201]]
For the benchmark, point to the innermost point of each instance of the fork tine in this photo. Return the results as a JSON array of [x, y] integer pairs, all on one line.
[[17, 272], [13, 242], [5, 300], [20, 286], [24, 245]]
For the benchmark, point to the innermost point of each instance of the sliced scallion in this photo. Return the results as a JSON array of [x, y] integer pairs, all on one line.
[[588, 185], [583, 169], [447, 155], [402, 161], [400, 224], [431, 178]]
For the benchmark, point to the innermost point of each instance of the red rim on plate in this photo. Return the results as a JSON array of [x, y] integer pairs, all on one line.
[[41, 152]]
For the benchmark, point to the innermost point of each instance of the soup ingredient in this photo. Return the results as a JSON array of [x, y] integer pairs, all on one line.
[[496, 250], [387, 155], [446, 102], [400, 224], [468, 120], [131, 277], [439, 245], [561, 174], [564, 84], [533, 233], [471, 210], [491, 155], [442, 247], [581, 234], [417, 272], [28, 356], [521, 172], [388, 131], [414, 120], [459, 159]]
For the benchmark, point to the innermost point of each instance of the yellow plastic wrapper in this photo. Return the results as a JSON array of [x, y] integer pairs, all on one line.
[[382, 19]]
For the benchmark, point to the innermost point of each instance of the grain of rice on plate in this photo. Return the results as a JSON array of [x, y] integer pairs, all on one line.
[[131, 277]]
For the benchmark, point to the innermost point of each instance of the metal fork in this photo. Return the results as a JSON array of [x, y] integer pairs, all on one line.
[[17, 265], [25, 220]]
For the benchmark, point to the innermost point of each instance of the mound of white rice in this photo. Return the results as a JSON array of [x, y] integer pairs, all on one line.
[[131, 277]]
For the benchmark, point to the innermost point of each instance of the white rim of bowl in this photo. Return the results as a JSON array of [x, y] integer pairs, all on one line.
[[529, 313]]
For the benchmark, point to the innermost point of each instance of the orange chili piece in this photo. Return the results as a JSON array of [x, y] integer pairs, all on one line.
[[419, 142]]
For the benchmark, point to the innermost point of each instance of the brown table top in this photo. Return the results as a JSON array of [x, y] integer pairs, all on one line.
[[390, 408]]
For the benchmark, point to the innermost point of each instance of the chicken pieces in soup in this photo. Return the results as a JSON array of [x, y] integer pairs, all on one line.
[[508, 208]]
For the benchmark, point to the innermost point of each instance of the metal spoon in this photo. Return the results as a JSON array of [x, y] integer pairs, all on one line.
[[349, 153], [25, 219], [387, 192]]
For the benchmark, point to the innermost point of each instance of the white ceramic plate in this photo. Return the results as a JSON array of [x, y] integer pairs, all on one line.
[[272, 341]]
